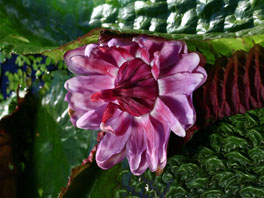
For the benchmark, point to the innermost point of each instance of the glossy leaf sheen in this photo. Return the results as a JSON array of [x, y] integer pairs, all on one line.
[[68, 20], [58, 145], [26, 28]]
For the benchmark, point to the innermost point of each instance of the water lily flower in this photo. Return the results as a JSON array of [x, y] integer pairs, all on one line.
[[137, 90]]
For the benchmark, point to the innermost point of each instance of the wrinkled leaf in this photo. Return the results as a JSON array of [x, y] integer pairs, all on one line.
[[223, 163], [26, 28]]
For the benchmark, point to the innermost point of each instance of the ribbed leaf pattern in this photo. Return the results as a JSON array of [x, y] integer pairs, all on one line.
[[234, 85]]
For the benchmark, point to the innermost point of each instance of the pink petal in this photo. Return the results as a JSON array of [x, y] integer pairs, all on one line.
[[164, 132], [155, 70], [93, 65], [152, 142], [150, 44], [148, 47], [143, 165], [143, 55], [72, 66], [75, 115], [117, 124], [89, 49], [162, 113], [91, 119], [180, 83], [202, 71], [120, 42], [111, 150], [81, 101], [135, 146], [126, 47], [113, 160], [170, 52], [156, 134], [182, 108], [91, 83], [186, 63], [80, 64], [114, 55], [135, 48]]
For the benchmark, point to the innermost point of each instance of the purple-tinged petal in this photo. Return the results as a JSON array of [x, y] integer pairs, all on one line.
[[111, 161], [147, 48], [126, 47], [164, 133], [93, 65], [143, 54], [111, 150], [115, 56], [182, 108], [81, 102], [73, 66], [169, 54], [168, 50], [163, 113], [80, 64], [91, 119], [118, 42], [89, 49], [75, 115], [185, 63], [142, 166], [202, 71], [155, 70], [180, 83], [156, 133], [150, 44], [90, 84], [135, 146], [117, 124]]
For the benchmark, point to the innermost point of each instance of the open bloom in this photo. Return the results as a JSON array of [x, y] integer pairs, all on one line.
[[136, 90]]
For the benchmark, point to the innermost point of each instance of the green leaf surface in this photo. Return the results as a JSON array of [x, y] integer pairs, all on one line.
[[225, 161], [58, 146], [4, 106], [25, 26], [16, 38], [211, 48]]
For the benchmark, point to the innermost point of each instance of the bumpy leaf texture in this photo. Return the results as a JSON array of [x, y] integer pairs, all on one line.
[[26, 28], [228, 164], [69, 19], [234, 85]]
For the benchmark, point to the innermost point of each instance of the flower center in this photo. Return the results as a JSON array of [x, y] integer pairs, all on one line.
[[135, 88]]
